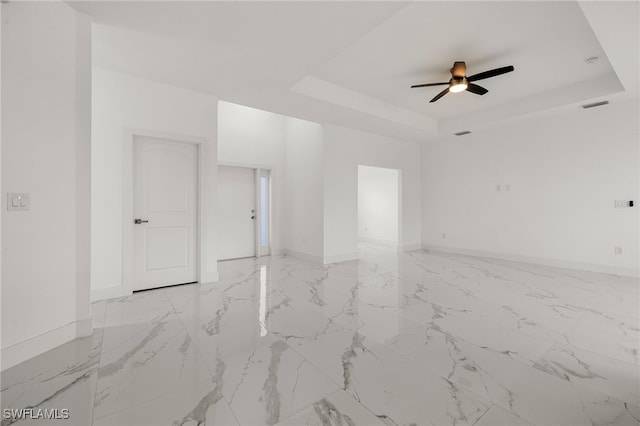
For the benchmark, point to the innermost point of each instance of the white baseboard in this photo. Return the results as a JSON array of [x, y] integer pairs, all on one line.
[[591, 267], [30, 348], [410, 247], [84, 327], [377, 241], [340, 258], [304, 256], [109, 293], [210, 277], [393, 244]]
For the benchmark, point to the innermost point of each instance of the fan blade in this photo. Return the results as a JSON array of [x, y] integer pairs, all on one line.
[[478, 90], [428, 84], [490, 73], [459, 69], [439, 95]]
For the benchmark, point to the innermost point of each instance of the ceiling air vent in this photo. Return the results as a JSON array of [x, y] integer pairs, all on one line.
[[464, 132], [595, 104]]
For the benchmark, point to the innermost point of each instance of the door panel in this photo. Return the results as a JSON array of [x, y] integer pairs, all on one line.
[[236, 206], [165, 183]]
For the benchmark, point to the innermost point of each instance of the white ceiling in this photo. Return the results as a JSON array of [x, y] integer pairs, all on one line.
[[352, 63]]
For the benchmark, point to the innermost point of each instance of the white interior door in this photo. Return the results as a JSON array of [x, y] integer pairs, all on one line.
[[236, 212], [165, 181]]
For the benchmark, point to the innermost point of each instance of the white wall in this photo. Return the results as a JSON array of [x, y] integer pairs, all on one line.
[[344, 150], [564, 174], [46, 99], [122, 103], [377, 204], [292, 150], [255, 138], [304, 193]]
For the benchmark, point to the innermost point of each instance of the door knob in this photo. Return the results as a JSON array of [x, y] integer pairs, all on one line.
[[139, 221]]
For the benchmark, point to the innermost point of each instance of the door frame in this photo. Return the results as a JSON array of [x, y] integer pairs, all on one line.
[[257, 172], [399, 243], [128, 194]]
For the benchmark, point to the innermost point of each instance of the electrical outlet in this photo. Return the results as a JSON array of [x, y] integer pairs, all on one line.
[[617, 250]]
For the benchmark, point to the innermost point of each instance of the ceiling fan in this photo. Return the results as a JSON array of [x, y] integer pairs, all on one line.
[[459, 82]]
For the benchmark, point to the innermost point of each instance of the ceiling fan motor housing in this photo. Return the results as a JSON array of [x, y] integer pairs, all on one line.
[[459, 69]]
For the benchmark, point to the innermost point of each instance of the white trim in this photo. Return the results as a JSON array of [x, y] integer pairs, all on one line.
[[209, 277], [105, 293], [30, 348], [410, 247], [258, 171], [581, 266], [127, 201], [340, 258], [303, 256], [391, 244], [245, 165]]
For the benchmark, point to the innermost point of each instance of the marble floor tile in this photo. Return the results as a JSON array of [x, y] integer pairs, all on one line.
[[198, 404], [297, 323], [271, 383], [141, 362], [393, 338], [489, 374], [544, 399], [497, 416], [488, 335], [338, 409], [63, 378], [616, 378], [392, 387]]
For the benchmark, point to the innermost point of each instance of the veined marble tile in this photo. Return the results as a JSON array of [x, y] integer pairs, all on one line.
[[488, 374], [548, 400], [271, 383], [617, 338], [141, 362], [181, 295], [339, 409], [62, 378], [223, 329], [393, 388], [140, 300], [496, 416], [376, 322], [138, 308], [531, 321], [441, 339], [198, 404], [618, 379], [296, 323], [488, 335]]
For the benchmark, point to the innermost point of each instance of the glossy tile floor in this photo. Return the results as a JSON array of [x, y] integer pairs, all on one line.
[[414, 338]]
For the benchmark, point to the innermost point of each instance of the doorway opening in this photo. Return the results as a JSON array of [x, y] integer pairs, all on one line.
[[244, 212], [378, 208]]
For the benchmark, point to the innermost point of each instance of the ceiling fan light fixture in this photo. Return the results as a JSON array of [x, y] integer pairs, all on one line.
[[457, 85]]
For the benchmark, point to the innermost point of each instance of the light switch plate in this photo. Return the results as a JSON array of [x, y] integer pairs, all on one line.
[[18, 201]]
